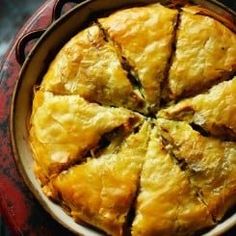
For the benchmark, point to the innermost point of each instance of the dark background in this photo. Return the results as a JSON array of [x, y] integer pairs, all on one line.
[[13, 14]]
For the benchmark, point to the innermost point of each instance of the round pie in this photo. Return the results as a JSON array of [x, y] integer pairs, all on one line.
[[133, 127]]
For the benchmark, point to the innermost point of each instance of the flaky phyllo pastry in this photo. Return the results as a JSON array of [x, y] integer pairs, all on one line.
[[133, 127], [101, 190], [65, 127], [144, 36], [214, 111], [91, 67]]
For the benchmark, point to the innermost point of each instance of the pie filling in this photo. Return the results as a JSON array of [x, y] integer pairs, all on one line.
[[133, 126]]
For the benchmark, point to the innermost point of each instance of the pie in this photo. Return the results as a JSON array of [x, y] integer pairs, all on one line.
[[133, 128]]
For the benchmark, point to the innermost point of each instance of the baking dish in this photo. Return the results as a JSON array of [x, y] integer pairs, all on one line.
[[35, 65]]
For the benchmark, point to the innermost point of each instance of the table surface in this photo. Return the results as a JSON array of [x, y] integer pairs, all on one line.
[[25, 216], [12, 17]]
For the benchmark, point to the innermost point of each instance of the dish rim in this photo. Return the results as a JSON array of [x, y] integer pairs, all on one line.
[[226, 225]]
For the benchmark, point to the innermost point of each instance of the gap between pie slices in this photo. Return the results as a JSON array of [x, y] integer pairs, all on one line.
[[167, 203], [205, 54], [209, 162], [214, 111], [91, 191], [90, 66], [82, 104], [64, 128]]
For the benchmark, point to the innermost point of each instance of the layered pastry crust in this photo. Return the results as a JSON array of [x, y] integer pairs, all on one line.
[[145, 36], [90, 66], [167, 203], [63, 128], [205, 54], [101, 191], [100, 151], [214, 111], [209, 162]]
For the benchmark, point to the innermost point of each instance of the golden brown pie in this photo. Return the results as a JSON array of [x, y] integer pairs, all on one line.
[[102, 154]]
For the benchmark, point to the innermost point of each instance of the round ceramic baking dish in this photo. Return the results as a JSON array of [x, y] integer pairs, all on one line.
[[36, 64]]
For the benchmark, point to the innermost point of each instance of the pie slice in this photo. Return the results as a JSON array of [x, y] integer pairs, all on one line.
[[205, 54], [89, 66], [101, 191], [145, 36], [168, 204], [213, 111], [211, 164], [63, 128]]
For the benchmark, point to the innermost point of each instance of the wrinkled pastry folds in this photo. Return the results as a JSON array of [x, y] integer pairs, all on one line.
[[214, 111], [145, 36], [64, 127], [210, 163], [101, 191], [167, 204], [90, 66], [205, 53]]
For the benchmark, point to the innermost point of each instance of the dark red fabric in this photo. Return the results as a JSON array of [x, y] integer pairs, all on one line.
[[19, 208]]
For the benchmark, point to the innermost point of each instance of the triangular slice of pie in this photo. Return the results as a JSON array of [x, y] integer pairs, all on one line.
[[90, 66], [167, 204], [101, 191], [214, 111], [211, 163], [205, 54], [63, 128], [145, 36]]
